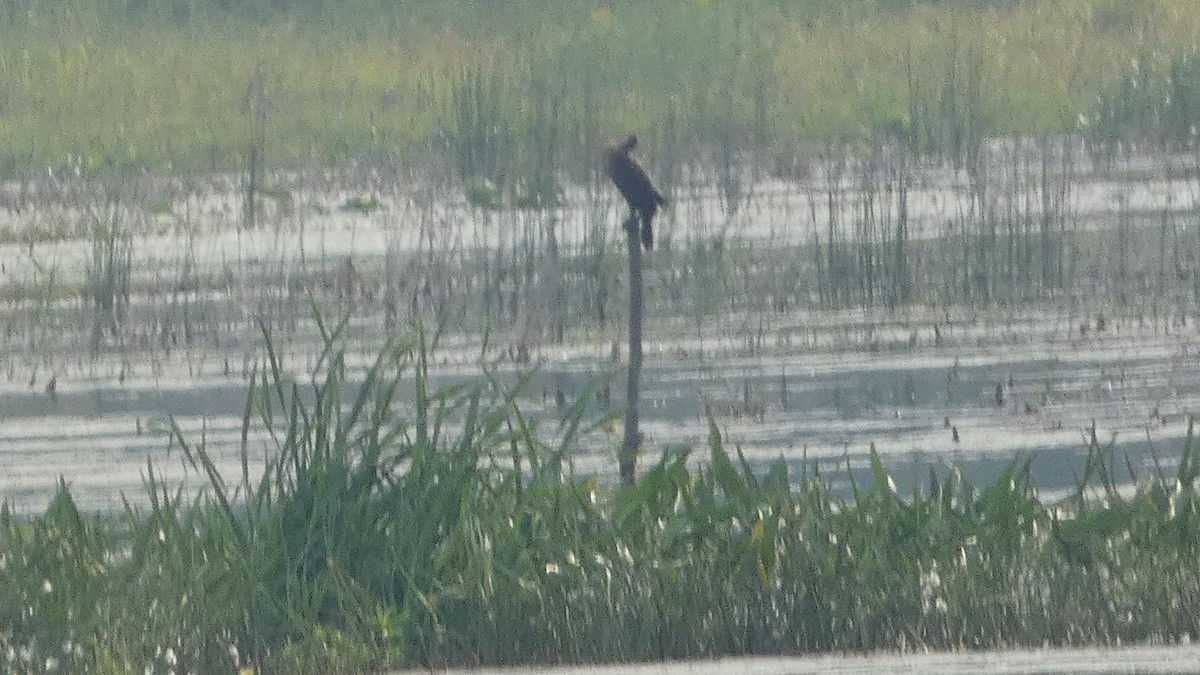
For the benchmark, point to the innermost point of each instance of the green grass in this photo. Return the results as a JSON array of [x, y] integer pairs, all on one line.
[[382, 535], [104, 85]]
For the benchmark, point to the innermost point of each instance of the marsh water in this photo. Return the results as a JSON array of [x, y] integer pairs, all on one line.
[[928, 385], [1145, 659], [824, 408]]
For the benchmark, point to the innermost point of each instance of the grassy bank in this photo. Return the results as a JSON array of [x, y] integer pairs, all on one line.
[[94, 85], [379, 538]]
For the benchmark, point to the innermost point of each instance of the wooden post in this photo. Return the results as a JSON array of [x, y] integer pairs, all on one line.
[[629, 446]]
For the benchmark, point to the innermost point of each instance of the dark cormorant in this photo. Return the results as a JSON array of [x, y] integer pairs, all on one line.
[[634, 185]]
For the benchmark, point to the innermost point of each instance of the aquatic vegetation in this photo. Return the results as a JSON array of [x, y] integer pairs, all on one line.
[[106, 86], [395, 524], [399, 525], [361, 204], [482, 194]]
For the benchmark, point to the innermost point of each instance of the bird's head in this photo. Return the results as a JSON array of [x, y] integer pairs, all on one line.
[[630, 143]]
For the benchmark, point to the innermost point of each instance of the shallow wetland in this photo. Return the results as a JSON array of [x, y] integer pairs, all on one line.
[[1052, 333]]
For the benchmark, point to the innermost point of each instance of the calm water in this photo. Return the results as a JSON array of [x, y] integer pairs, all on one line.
[[824, 406], [1185, 659]]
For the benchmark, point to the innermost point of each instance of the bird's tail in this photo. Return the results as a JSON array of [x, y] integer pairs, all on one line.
[[647, 228], [647, 234]]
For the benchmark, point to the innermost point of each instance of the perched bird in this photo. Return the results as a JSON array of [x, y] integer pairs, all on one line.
[[635, 186]]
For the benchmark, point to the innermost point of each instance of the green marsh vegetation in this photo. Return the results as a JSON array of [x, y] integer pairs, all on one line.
[[443, 529], [177, 86], [447, 530]]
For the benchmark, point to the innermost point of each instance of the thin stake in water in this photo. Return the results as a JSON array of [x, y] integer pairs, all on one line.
[[644, 200]]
